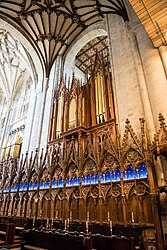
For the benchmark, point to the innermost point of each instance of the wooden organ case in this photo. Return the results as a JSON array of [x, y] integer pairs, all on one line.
[[100, 178], [88, 175]]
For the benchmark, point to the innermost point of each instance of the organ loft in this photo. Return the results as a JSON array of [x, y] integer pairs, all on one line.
[[83, 137]]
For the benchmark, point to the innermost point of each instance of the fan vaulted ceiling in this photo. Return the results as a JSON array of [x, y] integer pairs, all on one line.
[[52, 25]]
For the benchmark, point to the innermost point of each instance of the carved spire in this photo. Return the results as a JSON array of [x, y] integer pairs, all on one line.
[[159, 145], [73, 156], [73, 87], [109, 144], [130, 138], [89, 149], [161, 120]]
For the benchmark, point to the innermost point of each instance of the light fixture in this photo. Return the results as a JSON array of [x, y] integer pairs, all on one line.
[[36, 200]]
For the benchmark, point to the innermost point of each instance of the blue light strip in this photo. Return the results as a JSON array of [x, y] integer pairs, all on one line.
[[107, 177]]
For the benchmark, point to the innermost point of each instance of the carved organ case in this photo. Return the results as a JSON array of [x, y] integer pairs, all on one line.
[[88, 173], [95, 174], [83, 104]]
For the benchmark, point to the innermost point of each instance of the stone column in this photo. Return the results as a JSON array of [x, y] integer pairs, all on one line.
[[149, 67], [132, 30], [35, 120], [54, 80], [154, 75], [6, 125], [163, 55], [29, 122], [127, 96], [41, 121]]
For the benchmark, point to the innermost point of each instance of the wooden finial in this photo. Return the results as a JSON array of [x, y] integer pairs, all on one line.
[[127, 121], [161, 120]]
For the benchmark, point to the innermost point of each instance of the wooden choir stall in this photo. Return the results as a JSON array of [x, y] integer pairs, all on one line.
[[90, 189]]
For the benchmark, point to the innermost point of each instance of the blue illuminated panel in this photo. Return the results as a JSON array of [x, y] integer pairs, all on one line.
[[25, 186], [60, 182], [54, 183], [130, 172], [35, 185], [42, 184], [31, 186], [117, 174], [114, 176], [142, 171], [108, 176], [21, 187], [47, 184], [13, 188]]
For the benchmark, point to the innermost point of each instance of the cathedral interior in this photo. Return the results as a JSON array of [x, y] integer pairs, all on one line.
[[83, 137]]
